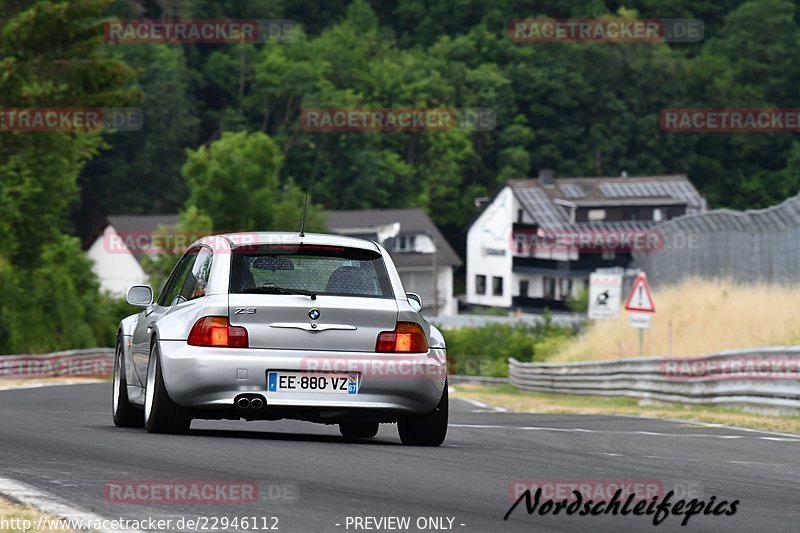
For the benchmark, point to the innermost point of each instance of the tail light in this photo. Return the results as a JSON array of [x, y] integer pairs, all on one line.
[[407, 337], [217, 331]]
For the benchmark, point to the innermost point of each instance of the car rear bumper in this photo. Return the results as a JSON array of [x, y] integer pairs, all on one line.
[[197, 377]]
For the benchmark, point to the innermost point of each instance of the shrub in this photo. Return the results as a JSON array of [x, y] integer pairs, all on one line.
[[485, 350]]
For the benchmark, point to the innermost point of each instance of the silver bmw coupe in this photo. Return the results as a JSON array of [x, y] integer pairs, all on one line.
[[266, 326]]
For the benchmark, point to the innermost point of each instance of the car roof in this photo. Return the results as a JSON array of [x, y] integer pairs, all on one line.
[[277, 237]]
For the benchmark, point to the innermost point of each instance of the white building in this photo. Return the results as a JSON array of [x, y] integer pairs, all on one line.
[[418, 250], [504, 270], [119, 247]]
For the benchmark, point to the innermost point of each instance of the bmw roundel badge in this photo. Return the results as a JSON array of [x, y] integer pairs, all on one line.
[[313, 313]]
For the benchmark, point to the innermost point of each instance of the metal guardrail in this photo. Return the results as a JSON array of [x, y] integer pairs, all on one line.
[[766, 377], [95, 362]]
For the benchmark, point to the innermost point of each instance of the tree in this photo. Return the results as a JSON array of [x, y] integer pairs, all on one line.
[[139, 171], [234, 181], [50, 56], [579, 108], [736, 70]]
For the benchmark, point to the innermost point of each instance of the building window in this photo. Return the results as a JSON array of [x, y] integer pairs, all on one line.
[[497, 286], [658, 215], [565, 287], [405, 243], [523, 288], [609, 255], [596, 215], [480, 284], [549, 287]]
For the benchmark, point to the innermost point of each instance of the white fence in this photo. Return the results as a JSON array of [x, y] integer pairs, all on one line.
[[95, 362], [767, 377]]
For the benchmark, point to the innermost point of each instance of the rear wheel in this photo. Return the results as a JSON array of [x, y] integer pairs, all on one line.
[[125, 414], [358, 430], [426, 430], [161, 414]]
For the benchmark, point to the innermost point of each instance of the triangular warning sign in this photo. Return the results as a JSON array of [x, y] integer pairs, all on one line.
[[640, 299]]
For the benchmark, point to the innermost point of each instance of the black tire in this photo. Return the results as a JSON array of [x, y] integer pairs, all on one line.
[[164, 416], [426, 430], [125, 414], [358, 430]]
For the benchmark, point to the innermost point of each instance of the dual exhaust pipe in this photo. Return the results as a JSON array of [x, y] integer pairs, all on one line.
[[250, 402]]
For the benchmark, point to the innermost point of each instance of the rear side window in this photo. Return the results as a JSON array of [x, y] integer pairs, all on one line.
[[332, 270], [197, 280], [189, 279], [174, 285]]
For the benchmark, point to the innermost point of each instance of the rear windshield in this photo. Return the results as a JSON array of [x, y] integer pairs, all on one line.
[[332, 270]]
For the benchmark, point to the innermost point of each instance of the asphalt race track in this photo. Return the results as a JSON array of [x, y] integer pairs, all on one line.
[[61, 440]]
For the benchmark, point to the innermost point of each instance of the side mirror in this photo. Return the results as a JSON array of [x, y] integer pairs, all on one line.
[[415, 300], [139, 295]]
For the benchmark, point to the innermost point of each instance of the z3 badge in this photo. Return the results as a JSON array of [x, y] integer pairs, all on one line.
[[244, 311]]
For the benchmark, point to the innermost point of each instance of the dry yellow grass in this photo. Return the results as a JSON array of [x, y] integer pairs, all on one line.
[[703, 316], [15, 518]]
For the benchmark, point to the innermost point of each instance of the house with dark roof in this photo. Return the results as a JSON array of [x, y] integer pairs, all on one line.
[[535, 242], [121, 244], [423, 257]]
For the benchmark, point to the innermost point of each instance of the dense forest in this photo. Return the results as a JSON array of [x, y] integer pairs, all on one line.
[[222, 141], [578, 108]]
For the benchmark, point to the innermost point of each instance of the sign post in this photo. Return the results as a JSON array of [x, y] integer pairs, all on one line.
[[605, 296], [640, 304]]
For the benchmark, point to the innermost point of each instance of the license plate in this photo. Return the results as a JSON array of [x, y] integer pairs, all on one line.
[[324, 382]]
